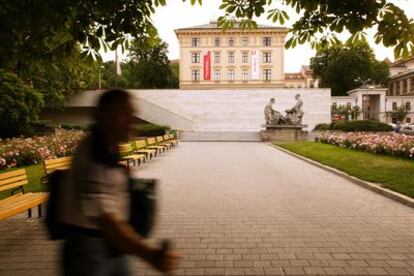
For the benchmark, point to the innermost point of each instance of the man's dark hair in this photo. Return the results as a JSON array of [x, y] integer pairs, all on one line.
[[110, 99]]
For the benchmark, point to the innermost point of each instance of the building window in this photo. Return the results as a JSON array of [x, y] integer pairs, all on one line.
[[231, 57], [195, 41], [231, 41], [405, 85], [195, 57], [245, 57], [245, 75], [412, 85], [394, 106], [390, 89], [217, 57], [267, 73], [245, 41], [231, 75], [408, 106], [217, 75], [267, 57], [195, 75], [217, 42], [348, 105], [408, 120], [267, 41]]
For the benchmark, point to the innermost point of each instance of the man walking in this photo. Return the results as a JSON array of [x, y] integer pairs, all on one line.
[[95, 200]]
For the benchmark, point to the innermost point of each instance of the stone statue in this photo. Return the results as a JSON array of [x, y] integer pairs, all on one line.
[[293, 115], [268, 111]]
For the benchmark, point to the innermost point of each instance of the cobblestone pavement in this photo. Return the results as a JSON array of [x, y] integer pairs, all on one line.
[[249, 209]]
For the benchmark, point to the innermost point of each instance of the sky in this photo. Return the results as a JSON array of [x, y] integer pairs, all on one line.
[[178, 14]]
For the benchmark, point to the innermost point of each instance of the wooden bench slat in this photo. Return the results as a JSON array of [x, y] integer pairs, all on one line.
[[9, 199], [57, 164], [58, 160], [22, 200], [12, 174], [13, 185], [12, 179], [19, 208], [61, 163], [60, 167], [134, 156], [140, 144]]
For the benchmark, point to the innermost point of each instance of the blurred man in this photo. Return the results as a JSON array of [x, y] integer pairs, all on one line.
[[95, 200]]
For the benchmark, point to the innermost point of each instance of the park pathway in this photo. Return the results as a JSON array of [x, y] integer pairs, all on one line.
[[249, 209]]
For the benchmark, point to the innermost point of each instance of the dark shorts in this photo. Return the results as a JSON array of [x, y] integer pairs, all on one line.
[[86, 255]]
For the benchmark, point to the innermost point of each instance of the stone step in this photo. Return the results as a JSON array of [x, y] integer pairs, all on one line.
[[220, 136]]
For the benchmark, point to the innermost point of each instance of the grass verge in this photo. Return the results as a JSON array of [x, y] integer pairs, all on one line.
[[389, 172]]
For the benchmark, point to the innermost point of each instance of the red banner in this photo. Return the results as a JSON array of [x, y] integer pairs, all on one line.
[[207, 66]]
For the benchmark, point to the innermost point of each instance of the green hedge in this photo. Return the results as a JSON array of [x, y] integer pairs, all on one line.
[[72, 127], [148, 130], [322, 127], [358, 125], [39, 128]]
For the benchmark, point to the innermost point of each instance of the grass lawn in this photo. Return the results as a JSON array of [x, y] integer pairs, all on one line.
[[390, 172], [34, 174]]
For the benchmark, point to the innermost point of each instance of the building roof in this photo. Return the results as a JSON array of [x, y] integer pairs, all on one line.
[[213, 25], [367, 88], [307, 70], [400, 62], [403, 74], [294, 76]]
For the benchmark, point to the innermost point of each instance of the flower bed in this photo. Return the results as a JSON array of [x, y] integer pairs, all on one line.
[[18, 152], [385, 143]]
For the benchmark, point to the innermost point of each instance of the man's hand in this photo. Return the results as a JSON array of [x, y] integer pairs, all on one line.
[[124, 237], [165, 260]]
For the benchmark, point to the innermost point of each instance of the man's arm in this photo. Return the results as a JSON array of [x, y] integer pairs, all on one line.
[[124, 238]]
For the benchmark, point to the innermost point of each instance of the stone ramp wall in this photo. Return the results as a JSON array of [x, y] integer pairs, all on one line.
[[218, 110], [237, 110]]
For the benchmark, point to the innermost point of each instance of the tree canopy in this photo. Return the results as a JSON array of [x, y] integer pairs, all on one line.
[[19, 104], [144, 67], [321, 20], [56, 27], [343, 68]]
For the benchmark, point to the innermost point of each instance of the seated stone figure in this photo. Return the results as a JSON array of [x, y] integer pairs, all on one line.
[[278, 118], [293, 115]]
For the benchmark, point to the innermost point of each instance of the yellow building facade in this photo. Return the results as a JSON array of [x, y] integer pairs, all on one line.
[[236, 58]]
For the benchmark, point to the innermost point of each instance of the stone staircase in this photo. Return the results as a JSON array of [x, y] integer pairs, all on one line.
[[220, 136]]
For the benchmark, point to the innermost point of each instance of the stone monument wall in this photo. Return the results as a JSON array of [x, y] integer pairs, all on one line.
[[219, 110]]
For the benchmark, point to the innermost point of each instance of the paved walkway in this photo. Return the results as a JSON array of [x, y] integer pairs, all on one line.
[[249, 209]]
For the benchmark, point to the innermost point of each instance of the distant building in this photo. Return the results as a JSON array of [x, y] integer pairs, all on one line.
[[236, 58], [378, 103], [303, 79], [402, 78], [175, 61]]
